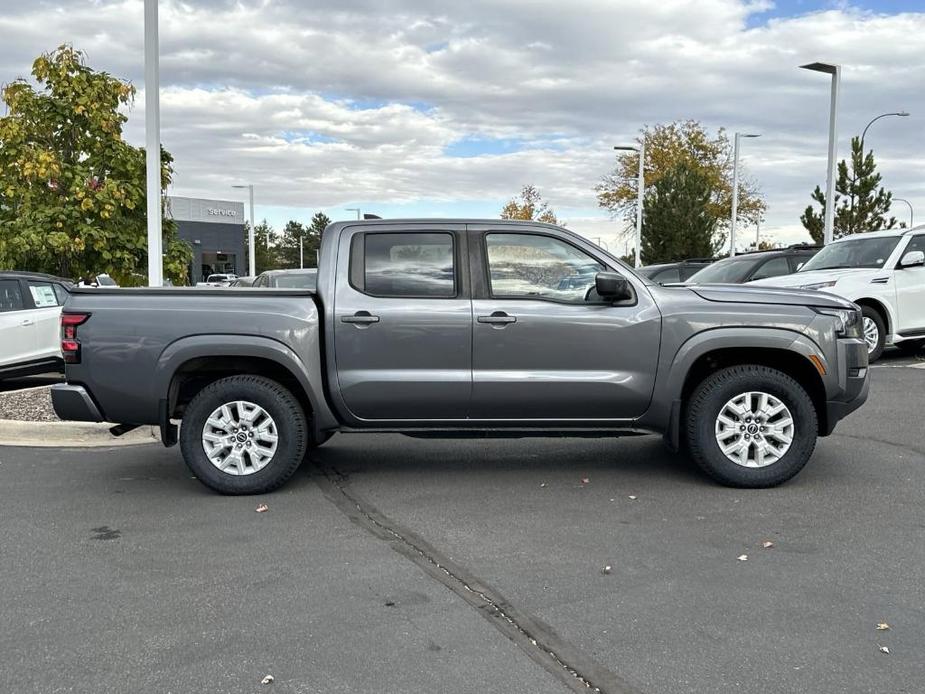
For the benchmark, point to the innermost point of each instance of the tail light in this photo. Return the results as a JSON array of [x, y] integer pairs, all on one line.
[[70, 345]]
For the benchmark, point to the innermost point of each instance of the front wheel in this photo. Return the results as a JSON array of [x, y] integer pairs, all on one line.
[[243, 435], [750, 426], [874, 333]]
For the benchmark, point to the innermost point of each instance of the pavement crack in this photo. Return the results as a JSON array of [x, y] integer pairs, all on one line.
[[536, 639]]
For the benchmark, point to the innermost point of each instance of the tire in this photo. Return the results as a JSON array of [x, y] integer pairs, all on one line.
[[254, 463], [711, 398], [874, 350], [910, 346]]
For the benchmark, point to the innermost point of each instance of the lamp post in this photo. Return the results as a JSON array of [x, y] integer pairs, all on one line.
[[153, 147], [911, 211], [900, 114], [641, 188], [735, 192], [835, 72], [251, 259], [354, 209]]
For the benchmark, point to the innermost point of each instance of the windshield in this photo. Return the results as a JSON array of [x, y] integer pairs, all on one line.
[[856, 253], [297, 280], [105, 281], [217, 278], [730, 270]]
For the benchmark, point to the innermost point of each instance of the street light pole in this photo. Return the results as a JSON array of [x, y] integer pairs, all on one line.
[[911, 211], [735, 192], [835, 72], [251, 259], [640, 193], [153, 147], [900, 114]]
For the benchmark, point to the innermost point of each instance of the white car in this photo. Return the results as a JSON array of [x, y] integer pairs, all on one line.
[[218, 280], [30, 331], [881, 271]]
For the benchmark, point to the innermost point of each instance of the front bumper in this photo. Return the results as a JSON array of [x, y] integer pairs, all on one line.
[[73, 402], [853, 384]]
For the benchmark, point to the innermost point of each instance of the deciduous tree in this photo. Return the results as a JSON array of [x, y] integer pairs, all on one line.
[[530, 206], [72, 191]]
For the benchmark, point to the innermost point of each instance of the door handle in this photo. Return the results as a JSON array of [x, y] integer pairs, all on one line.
[[360, 318], [499, 318], [27, 321]]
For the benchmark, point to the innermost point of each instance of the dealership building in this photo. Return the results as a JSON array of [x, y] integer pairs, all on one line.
[[214, 229]]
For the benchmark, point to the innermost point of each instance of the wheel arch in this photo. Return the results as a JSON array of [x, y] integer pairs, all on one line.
[[880, 307]]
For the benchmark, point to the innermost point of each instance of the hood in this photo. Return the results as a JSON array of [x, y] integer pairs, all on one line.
[[799, 279], [749, 294]]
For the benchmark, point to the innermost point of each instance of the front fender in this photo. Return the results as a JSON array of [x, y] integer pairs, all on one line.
[[217, 345]]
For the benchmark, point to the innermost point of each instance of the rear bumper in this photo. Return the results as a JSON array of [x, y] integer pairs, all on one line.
[[73, 402]]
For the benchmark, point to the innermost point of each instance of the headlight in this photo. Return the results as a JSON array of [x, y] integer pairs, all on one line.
[[847, 321], [819, 285]]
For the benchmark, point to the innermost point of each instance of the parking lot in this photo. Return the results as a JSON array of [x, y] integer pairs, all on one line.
[[399, 565]]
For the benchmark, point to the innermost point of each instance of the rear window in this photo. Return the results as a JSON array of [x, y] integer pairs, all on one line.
[[730, 270], [43, 294], [409, 265]]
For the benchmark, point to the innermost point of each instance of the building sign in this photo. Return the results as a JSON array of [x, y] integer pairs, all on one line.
[[202, 210]]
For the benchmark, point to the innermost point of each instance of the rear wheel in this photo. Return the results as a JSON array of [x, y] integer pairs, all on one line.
[[874, 332], [243, 435], [750, 426]]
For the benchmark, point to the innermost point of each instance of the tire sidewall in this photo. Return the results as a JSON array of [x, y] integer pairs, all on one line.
[[711, 397], [279, 404]]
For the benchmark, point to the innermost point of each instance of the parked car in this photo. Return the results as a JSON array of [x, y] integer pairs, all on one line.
[[884, 273], [101, 280], [220, 279], [241, 282], [755, 265], [667, 273], [306, 278], [460, 328], [30, 309]]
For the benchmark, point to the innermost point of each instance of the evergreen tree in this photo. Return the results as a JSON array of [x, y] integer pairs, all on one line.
[[861, 204], [265, 247], [679, 222], [313, 238], [292, 236]]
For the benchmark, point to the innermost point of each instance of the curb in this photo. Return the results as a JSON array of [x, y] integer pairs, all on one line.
[[71, 434]]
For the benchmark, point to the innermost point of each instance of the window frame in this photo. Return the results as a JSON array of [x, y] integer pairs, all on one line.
[[754, 272], [357, 263], [486, 270]]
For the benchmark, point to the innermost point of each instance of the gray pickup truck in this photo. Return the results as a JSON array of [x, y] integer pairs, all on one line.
[[465, 328]]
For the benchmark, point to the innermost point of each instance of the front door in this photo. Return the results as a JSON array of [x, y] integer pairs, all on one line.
[[910, 291], [17, 324], [544, 345], [403, 324]]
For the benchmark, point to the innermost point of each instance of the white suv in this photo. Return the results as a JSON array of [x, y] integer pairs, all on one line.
[[881, 271], [30, 314]]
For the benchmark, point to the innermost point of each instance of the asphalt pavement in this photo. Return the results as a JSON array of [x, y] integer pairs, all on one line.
[[392, 564]]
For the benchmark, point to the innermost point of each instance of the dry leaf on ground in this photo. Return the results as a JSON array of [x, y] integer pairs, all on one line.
[[883, 626], [267, 680], [263, 508], [742, 557]]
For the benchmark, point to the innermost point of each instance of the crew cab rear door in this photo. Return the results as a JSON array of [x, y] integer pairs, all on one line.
[[403, 322], [544, 346]]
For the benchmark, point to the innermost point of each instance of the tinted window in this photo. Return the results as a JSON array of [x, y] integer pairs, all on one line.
[[61, 293], [106, 281], [541, 267], [409, 264], [667, 276], [10, 296], [43, 294], [689, 270], [775, 267], [297, 280], [916, 243]]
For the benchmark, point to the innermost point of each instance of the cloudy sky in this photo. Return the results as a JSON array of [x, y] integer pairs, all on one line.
[[423, 107]]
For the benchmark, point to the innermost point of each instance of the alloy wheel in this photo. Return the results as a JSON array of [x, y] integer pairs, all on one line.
[[754, 429], [240, 438]]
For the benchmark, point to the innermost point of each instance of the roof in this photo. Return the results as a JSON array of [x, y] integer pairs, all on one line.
[[444, 220], [885, 233], [26, 275]]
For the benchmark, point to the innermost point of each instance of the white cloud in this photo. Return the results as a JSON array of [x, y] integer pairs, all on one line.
[[335, 101]]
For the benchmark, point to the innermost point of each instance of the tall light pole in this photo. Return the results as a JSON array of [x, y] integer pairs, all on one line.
[[835, 72], [911, 211], [153, 147], [251, 259], [735, 192], [900, 114], [641, 189], [354, 209]]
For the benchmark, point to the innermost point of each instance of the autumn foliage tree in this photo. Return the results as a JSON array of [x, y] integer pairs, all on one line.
[[72, 191], [861, 204], [530, 206], [684, 144]]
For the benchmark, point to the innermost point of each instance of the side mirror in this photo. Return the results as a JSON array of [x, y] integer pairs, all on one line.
[[612, 286], [912, 259]]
